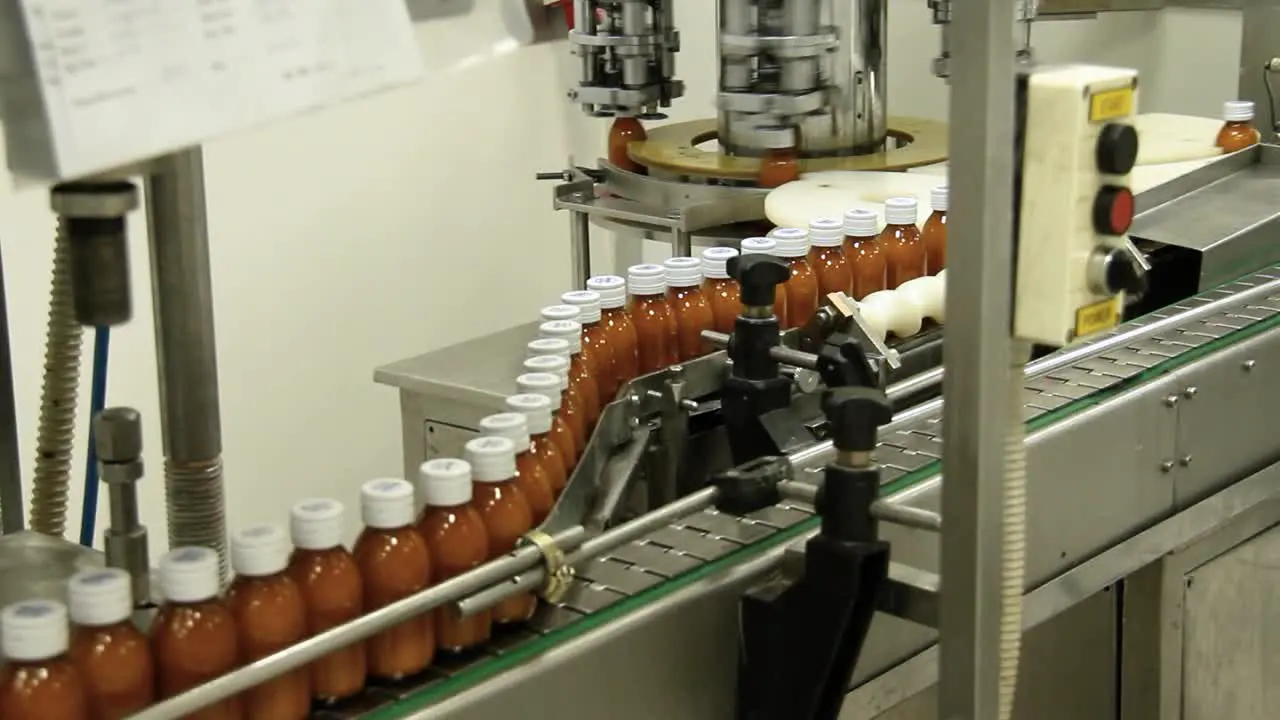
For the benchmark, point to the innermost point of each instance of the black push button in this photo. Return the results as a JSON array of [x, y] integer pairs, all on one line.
[[1117, 149]]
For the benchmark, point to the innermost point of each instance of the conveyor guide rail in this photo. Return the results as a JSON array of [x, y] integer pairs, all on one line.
[[909, 451]]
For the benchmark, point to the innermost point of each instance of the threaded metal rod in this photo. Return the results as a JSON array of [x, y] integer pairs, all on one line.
[[55, 434], [182, 299]]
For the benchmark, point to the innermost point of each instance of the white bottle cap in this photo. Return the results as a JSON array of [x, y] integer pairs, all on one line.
[[34, 630], [759, 246], [542, 383], [859, 222], [792, 242], [715, 262], [558, 347], [445, 482], [1237, 110], [556, 365], [901, 210], [259, 551], [938, 198], [100, 597], [536, 409], [510, 425], [493, 459], [826, 232], [568, 330], [561, 312], [611, 288], [647, 279], [588, 301], [386, 503], [683, 272], [189, 574], [316, 524]]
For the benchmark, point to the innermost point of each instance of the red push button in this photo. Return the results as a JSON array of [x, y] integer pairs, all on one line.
[[1113, 210]]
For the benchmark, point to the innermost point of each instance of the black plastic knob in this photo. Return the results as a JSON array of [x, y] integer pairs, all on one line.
[[1124, 273], [758, 277], [855, 415], [1117, 149]]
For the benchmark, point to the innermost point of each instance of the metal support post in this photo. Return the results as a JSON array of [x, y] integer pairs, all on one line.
[[580, 248], [977, 349], [186, 352], [1259, 43], [11, 517]]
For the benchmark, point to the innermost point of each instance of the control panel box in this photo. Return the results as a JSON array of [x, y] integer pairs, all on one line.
[[1077, 148]]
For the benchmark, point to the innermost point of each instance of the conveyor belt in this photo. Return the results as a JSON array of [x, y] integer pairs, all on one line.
[[909, 451]]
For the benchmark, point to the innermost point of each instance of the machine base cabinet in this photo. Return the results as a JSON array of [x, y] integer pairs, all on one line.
[[1197, 625]]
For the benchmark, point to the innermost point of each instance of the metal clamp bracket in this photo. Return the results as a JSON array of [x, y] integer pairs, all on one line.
[[559, 573]]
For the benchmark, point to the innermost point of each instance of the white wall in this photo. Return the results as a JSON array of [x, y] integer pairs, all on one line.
[[409, 221]]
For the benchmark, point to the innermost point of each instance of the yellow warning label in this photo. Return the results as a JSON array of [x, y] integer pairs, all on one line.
[[1099, 316], [1110, 104]]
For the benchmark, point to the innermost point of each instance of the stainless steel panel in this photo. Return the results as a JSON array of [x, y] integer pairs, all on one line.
[[1066, 672], [38, 566], [1231, 243], [1226, 418], [1230, 658]]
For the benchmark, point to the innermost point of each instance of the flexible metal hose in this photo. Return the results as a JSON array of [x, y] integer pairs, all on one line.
[[55, 435], [1014, 541]]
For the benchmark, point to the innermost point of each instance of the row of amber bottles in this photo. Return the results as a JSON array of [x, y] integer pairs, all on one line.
[[473, 511]]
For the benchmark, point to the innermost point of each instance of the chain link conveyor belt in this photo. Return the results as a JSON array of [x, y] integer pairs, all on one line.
[[687, 548]]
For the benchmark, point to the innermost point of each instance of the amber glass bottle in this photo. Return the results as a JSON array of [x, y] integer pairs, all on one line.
[[456, 536], [394, 563], [625, 130], [621, 333], [862, 252], [570, 412], [657, 344], [38, 680], [193, 636], [1237, 131], [550, 386], [112, 655], [769, 246], [689, 304], [270, 616], [584, 365], [901, 243], [332, 591], [780, 163], [826, 257], [536, 409], [580, 379], [595, 342], [503, 508], [720, 290], [531, 477], [934, 233], [802, 287]]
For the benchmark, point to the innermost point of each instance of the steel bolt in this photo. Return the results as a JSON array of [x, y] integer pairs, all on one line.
[[1248, 365], [1166, 466], [1190, 392], [1184, 461], [1171, 401]]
